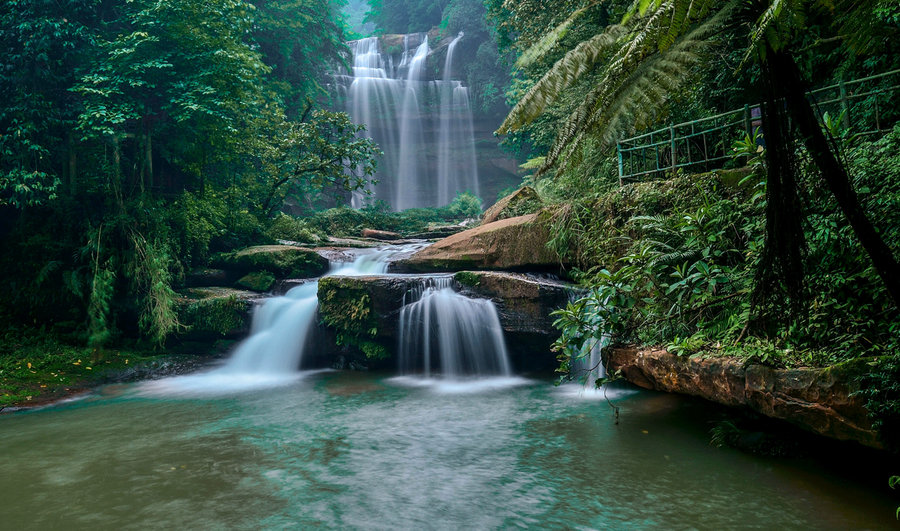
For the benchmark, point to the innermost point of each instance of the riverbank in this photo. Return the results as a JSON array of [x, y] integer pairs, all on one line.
[[36, 369]]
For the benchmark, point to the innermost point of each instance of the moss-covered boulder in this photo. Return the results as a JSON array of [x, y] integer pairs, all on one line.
[[357, 311], [523, 201], [514, 244], [261, 281], [215, 312], [282, 261], [824, 401]]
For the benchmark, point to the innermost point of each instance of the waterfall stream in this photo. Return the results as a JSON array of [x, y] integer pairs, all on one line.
[[448, 335], [424, 126], [273, 353]]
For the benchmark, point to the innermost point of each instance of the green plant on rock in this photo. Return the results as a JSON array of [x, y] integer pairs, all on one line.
[[348, 310]]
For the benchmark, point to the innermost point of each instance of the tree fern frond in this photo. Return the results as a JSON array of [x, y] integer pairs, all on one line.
[[548, 41], [565, 72], [631, 87], [766, 28]]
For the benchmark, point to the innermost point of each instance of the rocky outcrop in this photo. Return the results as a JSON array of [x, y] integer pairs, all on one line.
[[513, 244], [523, 201], [214, 312], [282, 261], [380, 234], [358, 305], [818, 400]]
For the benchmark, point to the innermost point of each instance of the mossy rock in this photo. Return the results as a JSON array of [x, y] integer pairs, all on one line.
[[282, 261], [261, 281], [215, 311], [523, 201], [346, 307]]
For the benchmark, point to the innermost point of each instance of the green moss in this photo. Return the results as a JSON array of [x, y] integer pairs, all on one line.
[[346, 307], [215, 315], [261, 281], [467, 278], [279, 260]]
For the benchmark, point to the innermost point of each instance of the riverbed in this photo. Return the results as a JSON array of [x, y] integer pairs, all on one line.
[[360, 450]]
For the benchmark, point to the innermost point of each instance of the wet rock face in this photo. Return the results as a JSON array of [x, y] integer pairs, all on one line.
[[523, 303], [818, 400], [513, 244]]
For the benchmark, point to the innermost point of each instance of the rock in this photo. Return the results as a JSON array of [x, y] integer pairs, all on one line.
[[280, 260], [818, 400], [358, 305], [438, 232], [261, 281], [523, 201], [517, 244], [210, 277], [380, 234], [213, 312]]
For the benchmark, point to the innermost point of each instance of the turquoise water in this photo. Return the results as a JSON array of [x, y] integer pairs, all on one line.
[[355, 450]]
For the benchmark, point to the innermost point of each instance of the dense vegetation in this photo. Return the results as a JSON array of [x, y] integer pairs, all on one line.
[[790, 261]]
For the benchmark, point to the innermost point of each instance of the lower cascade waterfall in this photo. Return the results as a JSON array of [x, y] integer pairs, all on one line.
[[273, 352], [445, 333]]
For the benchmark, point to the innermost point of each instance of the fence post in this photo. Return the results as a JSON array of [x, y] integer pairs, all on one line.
[[748, 121], [845, 104], [672, 142], [619, 153]]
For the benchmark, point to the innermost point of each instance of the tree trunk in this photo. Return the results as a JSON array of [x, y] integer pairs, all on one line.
[[836, 176], [73, 166]]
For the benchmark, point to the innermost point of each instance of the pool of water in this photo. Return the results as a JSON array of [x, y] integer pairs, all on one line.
[[356, 450]]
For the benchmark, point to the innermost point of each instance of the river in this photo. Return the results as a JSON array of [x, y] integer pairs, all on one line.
[[362, 450]]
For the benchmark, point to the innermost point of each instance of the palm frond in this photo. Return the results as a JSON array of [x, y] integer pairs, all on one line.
[[565, 72], [548, 41], [635, 83]]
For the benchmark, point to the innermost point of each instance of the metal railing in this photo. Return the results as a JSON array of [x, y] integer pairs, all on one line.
[[868, 106]]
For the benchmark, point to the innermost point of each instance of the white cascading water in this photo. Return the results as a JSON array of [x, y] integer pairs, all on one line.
[[424, 127], [273, 353], [447, 334], [457, 165]]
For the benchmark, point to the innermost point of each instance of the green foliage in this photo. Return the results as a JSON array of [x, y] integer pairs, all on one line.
[[347, 308], [880, 386], [467, 278], [262, 281], [289, 228], [36, 366], [405, 16], [217, 315], [151, 276]]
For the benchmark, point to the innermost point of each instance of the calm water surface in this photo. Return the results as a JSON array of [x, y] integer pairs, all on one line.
[[351, 450]]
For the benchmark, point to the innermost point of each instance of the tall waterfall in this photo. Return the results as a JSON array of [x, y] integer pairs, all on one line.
[[449, 334], [423, 125]]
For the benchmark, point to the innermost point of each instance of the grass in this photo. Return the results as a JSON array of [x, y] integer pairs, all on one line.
[[36, 369]]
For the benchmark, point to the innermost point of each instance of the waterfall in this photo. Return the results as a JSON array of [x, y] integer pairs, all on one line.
[[423, 125], [449, 334], [273, 353], [412, 139]]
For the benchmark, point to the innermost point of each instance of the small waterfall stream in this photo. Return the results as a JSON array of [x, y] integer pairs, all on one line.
[[448, 334], [273, 353]]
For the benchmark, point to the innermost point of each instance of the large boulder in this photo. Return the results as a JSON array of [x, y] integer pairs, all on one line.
[[282, 261], [513, 244], [215, 312], [523, 201], [822, 401]]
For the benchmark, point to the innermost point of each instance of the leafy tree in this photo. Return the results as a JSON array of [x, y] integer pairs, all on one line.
[[647, 57]]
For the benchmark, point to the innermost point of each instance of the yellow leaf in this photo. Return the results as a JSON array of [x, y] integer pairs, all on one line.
[[29, 364]]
